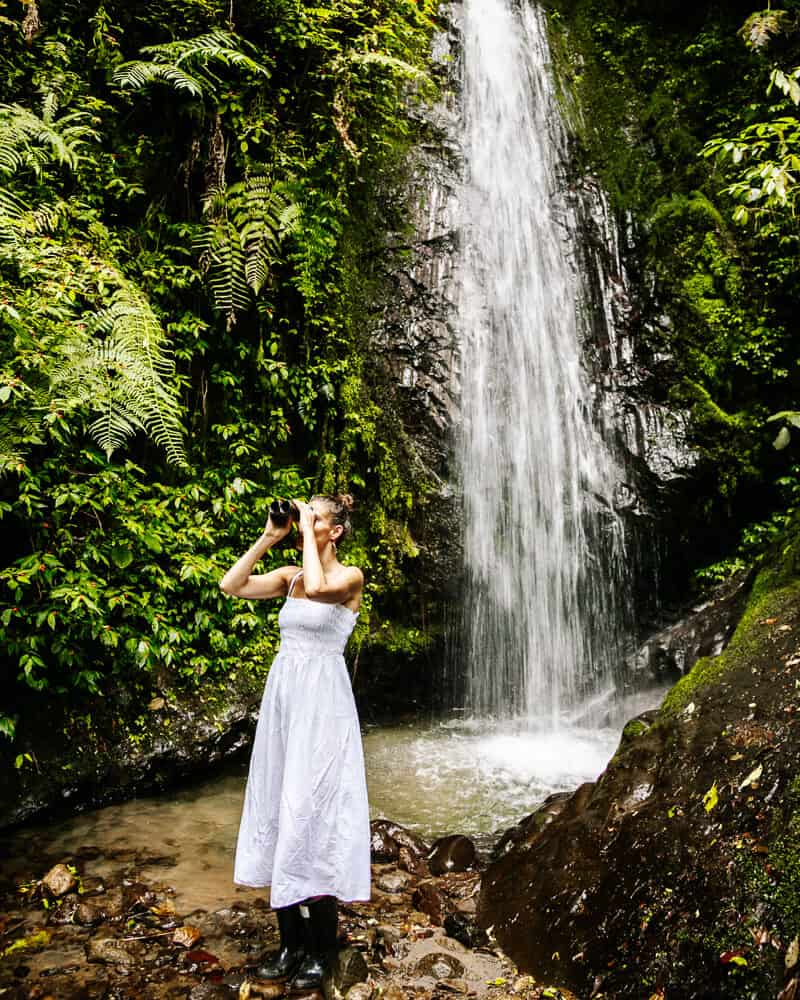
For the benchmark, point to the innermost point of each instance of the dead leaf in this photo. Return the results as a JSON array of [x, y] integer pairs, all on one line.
[[752, 777], [156, 704], [186, 936], [792, 954]]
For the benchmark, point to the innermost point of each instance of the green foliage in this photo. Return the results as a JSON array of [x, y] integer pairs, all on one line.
[[182, 174], [238, 245], [187, 65]]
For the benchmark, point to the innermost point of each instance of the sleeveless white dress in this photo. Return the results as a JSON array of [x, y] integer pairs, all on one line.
[[305, 823]]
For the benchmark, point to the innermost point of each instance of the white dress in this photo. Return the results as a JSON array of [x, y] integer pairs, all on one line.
[[305, 823]]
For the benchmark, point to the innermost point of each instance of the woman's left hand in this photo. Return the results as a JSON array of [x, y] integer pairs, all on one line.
[[307, 515]]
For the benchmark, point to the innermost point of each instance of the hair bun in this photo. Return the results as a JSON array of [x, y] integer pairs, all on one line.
[[345, 500]]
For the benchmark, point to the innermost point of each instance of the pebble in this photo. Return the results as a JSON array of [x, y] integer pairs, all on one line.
[[361, 991], [392, 881], [439, 966], [393, 992], [113, 951], [59, 881]]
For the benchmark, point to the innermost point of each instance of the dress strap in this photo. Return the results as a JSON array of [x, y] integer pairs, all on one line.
[[294, 580]]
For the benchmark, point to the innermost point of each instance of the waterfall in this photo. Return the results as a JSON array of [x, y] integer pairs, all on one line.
[[543, 546]]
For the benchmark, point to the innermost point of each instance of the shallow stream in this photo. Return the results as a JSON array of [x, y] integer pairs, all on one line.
[[453, 776]]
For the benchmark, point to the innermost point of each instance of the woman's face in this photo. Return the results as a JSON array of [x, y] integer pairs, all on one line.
[[323, 525]]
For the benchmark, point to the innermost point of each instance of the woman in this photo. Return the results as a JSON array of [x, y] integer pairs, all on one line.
[[305, 824]]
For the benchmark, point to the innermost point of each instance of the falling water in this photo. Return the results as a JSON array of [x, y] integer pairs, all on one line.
[[544, 548]]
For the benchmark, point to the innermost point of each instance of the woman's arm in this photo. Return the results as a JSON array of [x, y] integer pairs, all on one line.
[[349, 580], [238, 581]]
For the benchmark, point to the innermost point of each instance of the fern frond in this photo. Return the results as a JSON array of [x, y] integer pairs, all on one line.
[[136, 75], [28, 140], [392, 63]]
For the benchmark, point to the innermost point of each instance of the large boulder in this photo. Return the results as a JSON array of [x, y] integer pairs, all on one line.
[[679, 870]]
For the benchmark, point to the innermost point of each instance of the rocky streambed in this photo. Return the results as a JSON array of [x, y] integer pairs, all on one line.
[[68, 934]]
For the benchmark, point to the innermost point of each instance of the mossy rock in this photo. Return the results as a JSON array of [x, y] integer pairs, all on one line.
[[681, 869]]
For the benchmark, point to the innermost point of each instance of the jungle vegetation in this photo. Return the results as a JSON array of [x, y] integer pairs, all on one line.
[[194, 207]]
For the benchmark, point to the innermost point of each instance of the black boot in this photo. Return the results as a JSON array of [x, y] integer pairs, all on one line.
[[321, 930], [286, 961]]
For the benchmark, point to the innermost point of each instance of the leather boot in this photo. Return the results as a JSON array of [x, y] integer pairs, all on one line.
[[286, 961], [321, 931]]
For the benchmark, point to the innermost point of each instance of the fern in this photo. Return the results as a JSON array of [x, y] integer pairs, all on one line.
[[168, 64], [112, 364], [395, 65], [241, 239], [34, 141], [120, 366]]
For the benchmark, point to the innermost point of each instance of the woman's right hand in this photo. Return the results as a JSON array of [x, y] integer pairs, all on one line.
[[277, 531]]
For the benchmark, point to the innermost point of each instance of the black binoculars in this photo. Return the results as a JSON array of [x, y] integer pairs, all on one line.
[[281, 511]]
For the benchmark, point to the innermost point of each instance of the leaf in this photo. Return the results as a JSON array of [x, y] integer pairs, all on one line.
[[711, 798], [122, 556], [753, 776], [783, 439]]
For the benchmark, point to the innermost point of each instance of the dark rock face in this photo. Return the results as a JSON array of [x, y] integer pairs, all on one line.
[[109, 765], [685, 854], [704, 631]]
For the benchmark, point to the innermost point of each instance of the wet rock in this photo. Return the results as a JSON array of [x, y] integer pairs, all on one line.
[[213, 991], [113, 951], [88, 913], [439, 965], [451, 854], [91, 885], [361, 991], [65, 912], [393, 992], [113, 903], [350, 968], [428, 899], [548, 811], [389, 934], [463, 927], [387, 838], [410, 862], [704, 631], [59, 881], [392, 881], [657, 851]]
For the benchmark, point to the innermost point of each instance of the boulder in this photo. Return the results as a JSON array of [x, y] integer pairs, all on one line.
[[685, 854], [451, 854], [387, 838]]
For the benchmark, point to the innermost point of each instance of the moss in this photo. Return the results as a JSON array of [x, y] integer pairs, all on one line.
[[775, 593]]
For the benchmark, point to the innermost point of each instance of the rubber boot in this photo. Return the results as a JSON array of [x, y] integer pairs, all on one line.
[[287, 960], [321, 931]]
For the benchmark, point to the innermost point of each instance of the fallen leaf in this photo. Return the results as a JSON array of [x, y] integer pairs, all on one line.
[[754, 775], [186, 936], [792, 954], [711, 798], [156, 704], [201, 957]]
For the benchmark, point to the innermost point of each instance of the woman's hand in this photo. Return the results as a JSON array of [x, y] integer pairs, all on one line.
[[307, 515], [276, 532]]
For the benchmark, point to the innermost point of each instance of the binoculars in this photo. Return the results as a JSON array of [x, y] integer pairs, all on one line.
[[281, 511]]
